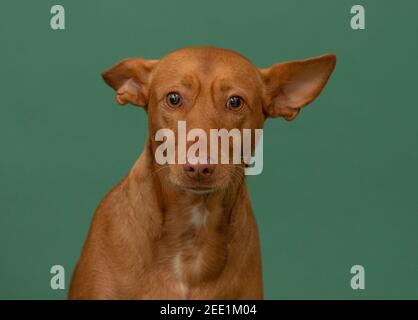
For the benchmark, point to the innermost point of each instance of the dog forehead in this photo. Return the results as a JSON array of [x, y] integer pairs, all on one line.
[[206, 62]]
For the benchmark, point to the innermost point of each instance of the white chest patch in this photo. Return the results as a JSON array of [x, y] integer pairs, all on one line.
[[199, 216], [181, 286]]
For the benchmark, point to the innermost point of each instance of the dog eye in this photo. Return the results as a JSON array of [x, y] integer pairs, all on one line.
[[234, 103], [174, 99]]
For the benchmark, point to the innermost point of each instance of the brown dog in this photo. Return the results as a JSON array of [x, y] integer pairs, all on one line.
[[188, 231]]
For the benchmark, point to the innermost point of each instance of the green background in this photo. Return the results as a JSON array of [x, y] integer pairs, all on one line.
[[339, 185]]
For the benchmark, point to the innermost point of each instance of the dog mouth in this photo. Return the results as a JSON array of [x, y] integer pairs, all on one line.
[[199, 189], [200, 186]]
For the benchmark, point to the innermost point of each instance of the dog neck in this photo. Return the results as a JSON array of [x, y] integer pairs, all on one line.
[[194, 229]]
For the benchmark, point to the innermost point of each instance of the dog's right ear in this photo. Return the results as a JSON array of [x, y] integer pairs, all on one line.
[[130, 79]]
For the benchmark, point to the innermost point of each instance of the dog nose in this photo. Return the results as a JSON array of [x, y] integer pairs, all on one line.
[[199, 170]]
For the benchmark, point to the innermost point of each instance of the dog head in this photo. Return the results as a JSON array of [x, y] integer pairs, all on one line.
[[206, 88]]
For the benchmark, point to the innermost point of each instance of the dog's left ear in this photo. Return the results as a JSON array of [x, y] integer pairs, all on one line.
[[292, 85], [130, 79]]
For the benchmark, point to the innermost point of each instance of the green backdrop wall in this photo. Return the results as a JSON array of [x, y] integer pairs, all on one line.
[[339, 185]]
